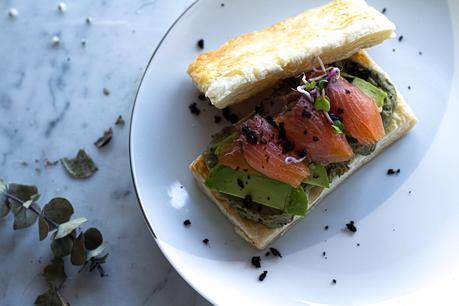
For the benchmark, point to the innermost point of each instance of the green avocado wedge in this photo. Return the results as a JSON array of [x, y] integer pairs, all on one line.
[[378, 95], [318, 177], [259, 189]]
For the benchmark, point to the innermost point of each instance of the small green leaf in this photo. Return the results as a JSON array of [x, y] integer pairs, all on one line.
[[96, 252], [80, 167], [25, 217], [92, 238], [338, 126], [322, 103], [66, 228], [77, 256], [50, 298], [322, 84], [310, 85], [59, 210], [61, 247], [43, 228], [54, 273], [4, 208]]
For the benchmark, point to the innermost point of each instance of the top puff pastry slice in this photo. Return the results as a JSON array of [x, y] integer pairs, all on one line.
[[253, 62]]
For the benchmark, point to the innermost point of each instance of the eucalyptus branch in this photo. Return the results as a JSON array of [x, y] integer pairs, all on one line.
[[85, 248]]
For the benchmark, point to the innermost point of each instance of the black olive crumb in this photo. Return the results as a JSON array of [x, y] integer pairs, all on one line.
[[201, 44], [400, 38], [187, 222], [202, 97], [351, 227], [305, 132], [326, 227], [217, 119], [256, 261], [409, 192], [240, 183], [287, 146], [347, 91], [222, 5], [315, 138], [275, 252], [301, 153], [392, 171], [106, 92], [409, 87], [324, 253], [181, 186], [267, 253], [383, 10], [358, 244], [205, 241], [420, 52], [262, 276], [306, 114], [229, 116], [250, 135], [194, 109], [333, 281], [393, 50]]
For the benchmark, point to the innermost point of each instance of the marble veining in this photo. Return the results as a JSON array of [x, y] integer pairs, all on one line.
[[52, 103]]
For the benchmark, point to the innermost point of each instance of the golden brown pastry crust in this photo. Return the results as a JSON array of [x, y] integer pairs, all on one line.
[[253, 62], [261, 236]]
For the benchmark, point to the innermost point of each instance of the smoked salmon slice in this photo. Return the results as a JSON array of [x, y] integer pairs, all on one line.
[[259, 146], [231, 156], [359, 113], [309, 130]]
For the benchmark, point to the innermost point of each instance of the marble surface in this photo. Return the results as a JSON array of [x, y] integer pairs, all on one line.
[[52, 104]]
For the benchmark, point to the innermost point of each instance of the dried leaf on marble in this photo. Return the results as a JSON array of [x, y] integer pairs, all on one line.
[[105, 139], [80, 167]]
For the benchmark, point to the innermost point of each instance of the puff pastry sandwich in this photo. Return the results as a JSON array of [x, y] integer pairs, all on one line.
[[324, 109]]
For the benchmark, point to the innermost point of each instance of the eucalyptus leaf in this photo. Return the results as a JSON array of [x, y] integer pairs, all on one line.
[[92, 238], [77, 256], [25, 217], [59, 210], [43, 228], [105, 139], [62, 247], [23, 193], [66, 228], [54, 273], [80, 167], [4, 208], [50, 298], [96, 252]]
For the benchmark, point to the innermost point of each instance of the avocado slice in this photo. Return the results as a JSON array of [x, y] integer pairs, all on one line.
[[257, 188], [377, 94], [298, 202], [318, 176]]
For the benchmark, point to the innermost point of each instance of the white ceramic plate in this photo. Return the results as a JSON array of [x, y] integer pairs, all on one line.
[[407, 224]]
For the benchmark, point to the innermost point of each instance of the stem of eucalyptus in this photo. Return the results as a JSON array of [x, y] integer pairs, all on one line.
[[12, 197]]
